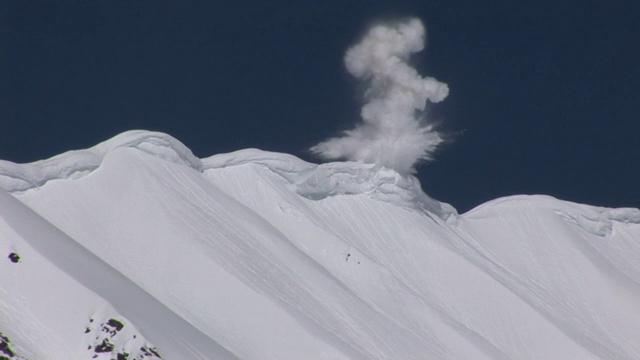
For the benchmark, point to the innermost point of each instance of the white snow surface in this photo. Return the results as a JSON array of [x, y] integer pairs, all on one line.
[[260, 255]]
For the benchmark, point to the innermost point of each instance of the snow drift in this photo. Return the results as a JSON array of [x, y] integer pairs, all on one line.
[[136, 246]]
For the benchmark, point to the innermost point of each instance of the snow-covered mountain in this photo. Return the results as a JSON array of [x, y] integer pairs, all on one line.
[[136, 249]]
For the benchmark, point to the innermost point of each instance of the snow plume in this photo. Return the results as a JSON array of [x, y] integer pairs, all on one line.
[[394, 132]]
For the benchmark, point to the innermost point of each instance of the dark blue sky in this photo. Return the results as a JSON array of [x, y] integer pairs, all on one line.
[[546, 94]]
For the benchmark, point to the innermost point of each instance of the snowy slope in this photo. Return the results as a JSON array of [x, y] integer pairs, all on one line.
[[259, 255], [62, 302]]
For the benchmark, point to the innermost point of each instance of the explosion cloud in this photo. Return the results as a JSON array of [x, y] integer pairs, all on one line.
[[394, 132]]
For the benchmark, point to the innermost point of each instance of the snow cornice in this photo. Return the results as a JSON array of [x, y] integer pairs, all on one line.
[[78, 163]]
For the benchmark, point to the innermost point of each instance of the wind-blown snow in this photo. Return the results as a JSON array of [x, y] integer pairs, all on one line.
[[259, 255], [393, 132], [340, 178]]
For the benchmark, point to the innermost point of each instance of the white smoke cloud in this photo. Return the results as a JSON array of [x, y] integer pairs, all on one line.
[[394, 132]]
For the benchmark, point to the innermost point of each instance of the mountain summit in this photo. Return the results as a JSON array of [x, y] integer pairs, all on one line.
[[137, 249]]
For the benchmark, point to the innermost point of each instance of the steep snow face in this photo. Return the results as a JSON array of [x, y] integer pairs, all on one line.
[[59, 301], [317, 182], [263, 256], [575, 265], [473, 278]]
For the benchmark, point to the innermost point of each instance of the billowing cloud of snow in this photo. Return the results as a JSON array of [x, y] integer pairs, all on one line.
[[394, 132]]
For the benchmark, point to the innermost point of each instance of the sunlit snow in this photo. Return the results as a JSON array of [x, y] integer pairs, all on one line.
[[136, 246]]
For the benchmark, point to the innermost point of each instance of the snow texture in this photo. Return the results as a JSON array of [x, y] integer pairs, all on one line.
[[76, 164], [260, 255]]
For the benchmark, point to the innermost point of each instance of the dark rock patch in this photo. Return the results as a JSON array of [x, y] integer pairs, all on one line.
[[104, 347], [6, 352], [117, 325], [112, 327], [14, 257], [150, 351], [109, 341], [154, 351]]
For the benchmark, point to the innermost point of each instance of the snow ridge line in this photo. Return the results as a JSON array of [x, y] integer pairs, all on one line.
[[317, 182], [309, 180], [79, 163]]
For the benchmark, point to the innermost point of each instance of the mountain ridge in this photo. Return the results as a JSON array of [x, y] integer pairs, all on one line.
[[271, 257]]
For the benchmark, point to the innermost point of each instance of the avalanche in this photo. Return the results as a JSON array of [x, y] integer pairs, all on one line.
[[137, 249]]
